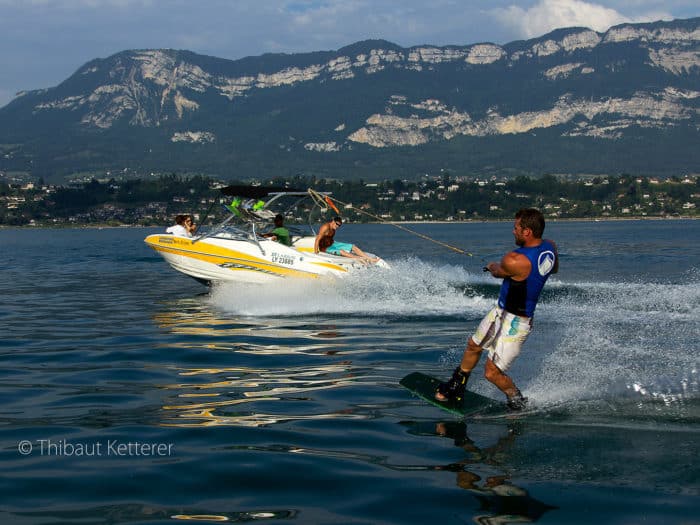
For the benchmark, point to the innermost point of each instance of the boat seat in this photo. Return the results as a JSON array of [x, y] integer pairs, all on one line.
[[262, 214]]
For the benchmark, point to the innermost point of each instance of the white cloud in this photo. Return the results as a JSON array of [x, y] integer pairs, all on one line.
[[548, 15]]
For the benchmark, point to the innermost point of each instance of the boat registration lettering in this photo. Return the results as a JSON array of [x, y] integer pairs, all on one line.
[[179, 240], [282, 258]]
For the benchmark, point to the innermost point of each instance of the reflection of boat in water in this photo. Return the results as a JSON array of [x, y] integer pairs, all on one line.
[[236, 250]]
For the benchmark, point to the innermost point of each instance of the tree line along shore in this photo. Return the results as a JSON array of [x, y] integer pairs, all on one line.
[[154, 201]]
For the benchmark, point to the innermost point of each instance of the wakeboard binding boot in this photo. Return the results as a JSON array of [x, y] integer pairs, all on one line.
[[453, 389], [517, 401]]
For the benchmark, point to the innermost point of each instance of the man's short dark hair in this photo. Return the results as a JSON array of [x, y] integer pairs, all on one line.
[[531, 218], [337, 220], [279, 219]]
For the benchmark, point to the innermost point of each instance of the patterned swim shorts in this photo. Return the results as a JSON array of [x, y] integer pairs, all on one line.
[[502, 334]]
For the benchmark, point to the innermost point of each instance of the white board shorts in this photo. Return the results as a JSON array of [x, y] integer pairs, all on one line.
[[502, 334]]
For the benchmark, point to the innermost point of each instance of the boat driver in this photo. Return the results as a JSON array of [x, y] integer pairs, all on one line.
[[280, 233]]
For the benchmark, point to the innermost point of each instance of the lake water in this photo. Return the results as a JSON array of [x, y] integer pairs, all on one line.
[[132, 394]]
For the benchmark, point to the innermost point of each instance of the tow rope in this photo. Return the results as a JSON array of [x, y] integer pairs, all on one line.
[[329, 200]]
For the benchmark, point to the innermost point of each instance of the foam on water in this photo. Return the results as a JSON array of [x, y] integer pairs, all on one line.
[[635, 341], [630, 344], [410, 287]]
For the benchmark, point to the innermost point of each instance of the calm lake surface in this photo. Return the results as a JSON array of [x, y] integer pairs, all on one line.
[[132, 394]]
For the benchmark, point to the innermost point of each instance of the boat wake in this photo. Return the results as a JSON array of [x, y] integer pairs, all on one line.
[[600, 348], [624, 347], [409, 287]]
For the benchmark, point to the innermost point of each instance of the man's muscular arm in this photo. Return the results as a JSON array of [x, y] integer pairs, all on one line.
[[513, 265], [321, 233]]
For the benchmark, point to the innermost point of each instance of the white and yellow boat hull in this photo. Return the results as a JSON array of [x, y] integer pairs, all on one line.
[[220, 258]]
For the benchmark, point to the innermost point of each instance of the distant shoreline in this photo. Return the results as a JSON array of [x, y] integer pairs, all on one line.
[[550, 220], [470, 221]]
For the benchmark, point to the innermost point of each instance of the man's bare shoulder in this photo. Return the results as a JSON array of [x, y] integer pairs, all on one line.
[[516, 265], [514, 258]]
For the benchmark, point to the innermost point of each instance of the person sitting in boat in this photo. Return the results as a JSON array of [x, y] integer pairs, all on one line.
[[325, 243], [280, 233], [184, 226]]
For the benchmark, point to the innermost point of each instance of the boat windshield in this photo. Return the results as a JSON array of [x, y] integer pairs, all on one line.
[[246, 215]]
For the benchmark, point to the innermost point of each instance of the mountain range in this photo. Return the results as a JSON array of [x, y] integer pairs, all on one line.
[[573, 101]]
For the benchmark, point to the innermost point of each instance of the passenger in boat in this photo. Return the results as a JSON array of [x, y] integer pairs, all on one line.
[[325, 243], [280, 233], [184, 226]]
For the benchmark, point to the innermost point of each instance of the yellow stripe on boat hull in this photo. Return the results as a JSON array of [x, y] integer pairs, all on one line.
[[223, 257]]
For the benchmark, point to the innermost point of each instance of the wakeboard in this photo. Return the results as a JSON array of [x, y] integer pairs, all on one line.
[[472, 404]]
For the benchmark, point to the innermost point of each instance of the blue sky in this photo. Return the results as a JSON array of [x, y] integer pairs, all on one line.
[[42, 42]]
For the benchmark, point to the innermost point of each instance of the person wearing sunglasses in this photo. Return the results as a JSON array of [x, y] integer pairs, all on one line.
[[325, 242]]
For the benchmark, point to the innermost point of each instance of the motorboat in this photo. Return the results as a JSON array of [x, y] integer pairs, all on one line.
[[237, 249]]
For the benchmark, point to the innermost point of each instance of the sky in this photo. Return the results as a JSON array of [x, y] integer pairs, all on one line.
[[43, 42]]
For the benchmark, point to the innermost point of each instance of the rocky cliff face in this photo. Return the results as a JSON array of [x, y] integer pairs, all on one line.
[[576, 81], [657, 109]]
